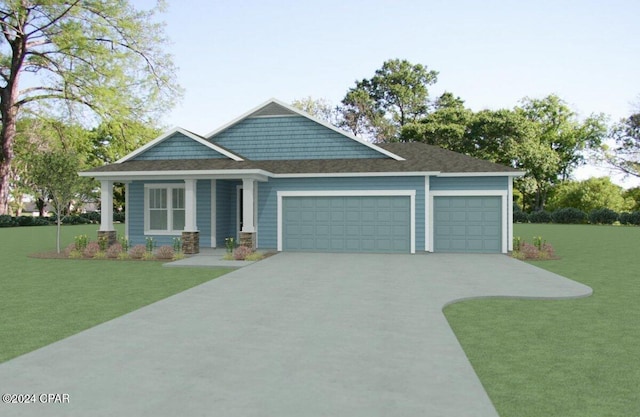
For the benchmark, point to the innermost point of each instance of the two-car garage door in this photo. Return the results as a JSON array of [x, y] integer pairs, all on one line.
[[347, 224]]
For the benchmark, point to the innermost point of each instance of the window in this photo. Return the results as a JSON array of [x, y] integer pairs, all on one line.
[[165, 208]]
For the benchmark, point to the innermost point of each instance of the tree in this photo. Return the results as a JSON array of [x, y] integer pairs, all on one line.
[[102, 58], [446, 126], [590, 194], [56, 173], [633, 194], [319, 108], [397, 94], [560, 129], [625, 154]]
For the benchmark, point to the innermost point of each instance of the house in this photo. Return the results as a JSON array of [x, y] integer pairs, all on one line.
[[277, 178]]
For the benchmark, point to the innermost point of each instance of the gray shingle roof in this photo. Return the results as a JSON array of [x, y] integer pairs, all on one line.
[[419, 157]]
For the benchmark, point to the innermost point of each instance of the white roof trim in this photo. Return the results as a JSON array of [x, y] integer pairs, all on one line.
[[358, 174], [190, 135], [483, 174], [308, 116], [178, 174]]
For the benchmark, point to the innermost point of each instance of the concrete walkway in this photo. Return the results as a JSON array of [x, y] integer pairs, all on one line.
[[293, 335], [207, 258]]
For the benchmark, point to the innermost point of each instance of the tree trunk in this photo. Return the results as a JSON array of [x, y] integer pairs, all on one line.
[[7, 136]]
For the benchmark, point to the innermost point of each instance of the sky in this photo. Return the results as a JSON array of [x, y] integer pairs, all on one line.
[[235, 55]]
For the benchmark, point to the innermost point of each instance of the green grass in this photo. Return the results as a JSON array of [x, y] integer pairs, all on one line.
[[45, 300], [563, 358]]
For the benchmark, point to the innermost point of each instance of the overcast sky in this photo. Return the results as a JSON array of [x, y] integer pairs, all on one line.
[[234, 55]]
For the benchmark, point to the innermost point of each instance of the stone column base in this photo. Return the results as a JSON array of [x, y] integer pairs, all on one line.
[[190, 243], [109, 235], [248, 239]]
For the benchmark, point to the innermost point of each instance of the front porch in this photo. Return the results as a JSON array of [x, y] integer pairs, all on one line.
[[201, 211]]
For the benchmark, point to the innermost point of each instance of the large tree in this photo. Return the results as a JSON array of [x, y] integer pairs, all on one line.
[[102, 58], [625, 153], [396, 95]]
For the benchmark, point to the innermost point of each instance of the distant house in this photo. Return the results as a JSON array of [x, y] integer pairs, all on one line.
[[277, 178]]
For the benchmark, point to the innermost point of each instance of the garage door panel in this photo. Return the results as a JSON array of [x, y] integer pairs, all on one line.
[[467, 224], [350, 223]]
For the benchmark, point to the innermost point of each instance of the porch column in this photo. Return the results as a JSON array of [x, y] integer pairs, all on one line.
[[190, 206], [190, 235], [106, 230], [248, 232]]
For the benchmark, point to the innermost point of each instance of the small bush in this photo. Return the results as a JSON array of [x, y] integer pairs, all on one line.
[[241, 252], [114, 250], [74, 220], [603, 216], [255, 256], [7, 221], [165, 252], [92, 216], [70, 248], [540, 217], [520, 217], [568, 215], [40, 221], [75, 254], [138, 251], [100, 255], [148, 256], [91, 249], [118, 217], [631, 218], [25, 221], [123, 256]]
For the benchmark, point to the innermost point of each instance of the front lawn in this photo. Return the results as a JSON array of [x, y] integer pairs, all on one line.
[[563, 358], [45, 300]]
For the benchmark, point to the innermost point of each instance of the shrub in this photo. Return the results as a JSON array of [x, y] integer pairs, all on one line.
[[255, 256], [7, 221], [241, 252], [91, 249], [603, 216], [25, 221], [632, 218], [123, 255], [91, 216], [165, 252], [114, 250], [100, 255], [81, 242], [70, 248], [520, 217], [40, 221], [118, 216], [74, 220], [568, 215], [138, 251], [540, 217]]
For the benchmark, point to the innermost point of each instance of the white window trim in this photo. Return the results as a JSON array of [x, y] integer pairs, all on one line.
[[504, 194], [350, 193], [168, 187]]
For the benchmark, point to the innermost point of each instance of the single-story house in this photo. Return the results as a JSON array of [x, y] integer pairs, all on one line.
[[276, 178]]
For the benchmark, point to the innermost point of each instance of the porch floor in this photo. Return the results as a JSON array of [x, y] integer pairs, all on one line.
[[207, 258]]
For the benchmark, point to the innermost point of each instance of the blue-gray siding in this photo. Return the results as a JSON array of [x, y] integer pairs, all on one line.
[[468, 183], [291, 137], [267, 199], [178, 146]]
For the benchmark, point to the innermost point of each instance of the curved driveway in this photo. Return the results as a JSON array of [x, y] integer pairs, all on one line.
[[294, 335]]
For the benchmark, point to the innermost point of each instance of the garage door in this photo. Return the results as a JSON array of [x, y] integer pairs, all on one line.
[[467, 224], [347, 224]]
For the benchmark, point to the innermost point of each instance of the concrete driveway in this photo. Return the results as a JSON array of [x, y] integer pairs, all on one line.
[[294, 335]]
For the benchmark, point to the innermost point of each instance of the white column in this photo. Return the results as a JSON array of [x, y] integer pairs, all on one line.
[[190, 206], [106, 206], [214, 218], [247, 205], [510, 215], [427, 210], [126, 210]]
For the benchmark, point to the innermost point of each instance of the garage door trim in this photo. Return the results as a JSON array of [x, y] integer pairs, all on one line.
[[351, 193], [471, 193]]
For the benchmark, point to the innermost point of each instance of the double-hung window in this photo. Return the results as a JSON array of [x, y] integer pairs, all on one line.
[[164, 208]]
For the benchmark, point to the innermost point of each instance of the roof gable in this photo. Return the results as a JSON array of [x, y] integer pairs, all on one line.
[[275, 130], [180, 144]]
